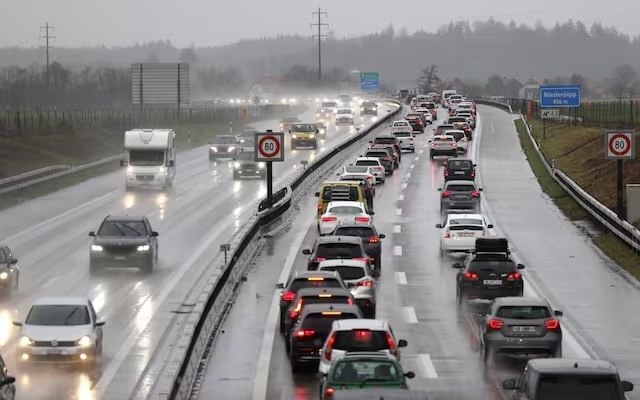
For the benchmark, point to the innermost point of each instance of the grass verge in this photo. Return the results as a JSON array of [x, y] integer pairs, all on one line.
[[613, 247]]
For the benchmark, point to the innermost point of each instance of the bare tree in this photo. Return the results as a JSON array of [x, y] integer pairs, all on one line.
[[429, 79], [624, 81]]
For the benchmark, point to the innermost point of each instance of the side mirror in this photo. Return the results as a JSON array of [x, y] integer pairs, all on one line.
[[155, 234], [626, 386], [490, 226], [17, 323], [279, 285], [92, 234], [371, 213], [480, 190], [520, 266], [402, 343], [99, 323], [439, 226], [456, 265], [439, 189], [410, 375], [558, 313], [381, 236], [317, 194], [289, 130], [123, 163], [13, 261], [306, 251], [317, 130], [509, 384], [171, 163], [7, 381]]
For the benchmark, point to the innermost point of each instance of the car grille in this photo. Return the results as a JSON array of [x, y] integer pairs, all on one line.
[[145, 177], [46, 343], [120, 250]]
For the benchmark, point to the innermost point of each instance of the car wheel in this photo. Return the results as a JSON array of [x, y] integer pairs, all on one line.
[[487, 354], [281, 324], [431, 155], [460, 297], [93, 269]]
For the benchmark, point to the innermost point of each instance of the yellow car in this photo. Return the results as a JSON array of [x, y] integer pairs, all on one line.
[[304, 135]]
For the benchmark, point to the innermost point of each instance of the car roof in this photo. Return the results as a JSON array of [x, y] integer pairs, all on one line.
[[61, 300], [460, 182], [319, 308], [124, 218], [311, 274], [338, 239], [342, 262], [315, 291], [354, 225], [520, 301], [349, 324], [345, 204], [469, 216], [367, 159], [571, 366]]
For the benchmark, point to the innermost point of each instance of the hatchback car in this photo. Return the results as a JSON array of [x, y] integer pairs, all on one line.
[[371, 239], [123, 241], [389, 140], [406, 139], [340, 212], [460, 231], [9, 271], [443, 145], [459, 169], [335, 248], [224, 146], [459, 196], [359, 279], [62, 329]]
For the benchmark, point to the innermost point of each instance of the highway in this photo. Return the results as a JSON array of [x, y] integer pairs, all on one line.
[[416, 292], [49, 237]]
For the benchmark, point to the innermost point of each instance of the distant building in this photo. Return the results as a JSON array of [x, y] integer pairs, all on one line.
[[530, 90]]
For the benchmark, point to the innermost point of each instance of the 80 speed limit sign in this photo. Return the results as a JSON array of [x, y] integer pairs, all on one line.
[[620, 144], [269, 146]]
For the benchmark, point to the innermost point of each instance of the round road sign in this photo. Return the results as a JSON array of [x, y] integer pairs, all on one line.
[[619, 144], [269, 146]]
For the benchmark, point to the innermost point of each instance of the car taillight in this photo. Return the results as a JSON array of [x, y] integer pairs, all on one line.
[[362, 219], [470, 276], [374, 239], [447, 234], [392, 344], [475, 193], [319, 208], [495, 324], [515, 276], [366, 283], [328, 393], [328, 348], [329, 219], [361, 258], [446, 194], [552, 324], [446, 173], [349, 301], [473, 174], [288, 296], [302, 333]]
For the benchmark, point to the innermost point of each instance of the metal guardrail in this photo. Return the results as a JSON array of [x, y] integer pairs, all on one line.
[[178, 379], [44, 174], [494, 103]]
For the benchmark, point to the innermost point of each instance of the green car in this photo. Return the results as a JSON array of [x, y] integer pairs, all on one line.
[[360, 370]]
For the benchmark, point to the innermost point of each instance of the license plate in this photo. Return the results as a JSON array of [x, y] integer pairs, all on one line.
[[492, 282], [119, 258], [55, 352], [459, 172], [524, 329], [466, 234]]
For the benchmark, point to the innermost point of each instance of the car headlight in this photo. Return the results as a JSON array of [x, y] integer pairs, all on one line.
[[232, 148], [261, 165], [312, 136], [25, 341], [236, 165], [130, 170], [294, 136], [4, 275], [144, 247], [96, 247], [215, 149], [162, 169], [84, 341]]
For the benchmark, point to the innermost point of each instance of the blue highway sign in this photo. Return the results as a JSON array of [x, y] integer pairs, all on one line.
[[369, 81], [559, 96]]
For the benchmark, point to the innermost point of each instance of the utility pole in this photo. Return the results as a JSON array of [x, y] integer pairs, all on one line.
[[45, 33], [319, 24]]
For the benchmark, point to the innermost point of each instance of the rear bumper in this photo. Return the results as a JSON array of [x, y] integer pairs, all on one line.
[[460, 205], [523, 346], [249, 173], [490, 294], [446, 152], [458, 244]]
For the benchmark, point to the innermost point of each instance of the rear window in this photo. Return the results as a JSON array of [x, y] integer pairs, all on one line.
[[356, 169], [456, 164], [457, 135], [465, 221], [360, 340], [345, 210], [587, 387], [353, 194], [443, 139], [460, 188], [339, 250], [376, 154], [384, 141], [319, 321], [466, 228], [347, 273], [335, 299], [523, 312], [367, 163], [500, 267], [402, 134], [363, 232], [304, 283]]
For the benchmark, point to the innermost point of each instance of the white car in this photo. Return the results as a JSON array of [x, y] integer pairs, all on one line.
[[406, 139], [60, 329], [460, 231], [426, 113], [376, 166], [461, 139], [349, 335], [401, 124], [343, 212], [359, 169], [344, 116]]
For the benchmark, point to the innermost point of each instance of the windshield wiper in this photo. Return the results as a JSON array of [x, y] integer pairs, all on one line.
[[131, 229], [66, 320]]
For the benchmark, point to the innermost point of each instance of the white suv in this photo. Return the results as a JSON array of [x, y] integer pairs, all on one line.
[[367, 335], [376, 166], [406, 139]]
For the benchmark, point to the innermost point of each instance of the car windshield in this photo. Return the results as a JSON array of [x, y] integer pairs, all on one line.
[[224, 140], [465, 221], [123, 228], [368, 104], [523, 312], [368, 163], [443, 139], [363, 232], [246, 156], [306, 283], [361, 370], [500, 267], [457, 135], [401, 123], [344, 111], [402, 134], [458, 187], [458, 165], [339, 251], [304, 128], [146, 158], [577, 387], [344, 210], [380, 140], [58, 315], [360, 340], [377, 154], [346, 272], [329, 104]]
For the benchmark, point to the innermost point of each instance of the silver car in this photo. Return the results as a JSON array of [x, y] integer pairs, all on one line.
[[358, 277], [443, 145], [459, 196], [521, 327]]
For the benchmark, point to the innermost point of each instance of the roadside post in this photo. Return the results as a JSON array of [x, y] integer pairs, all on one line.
[[619, 145], [269, 148]]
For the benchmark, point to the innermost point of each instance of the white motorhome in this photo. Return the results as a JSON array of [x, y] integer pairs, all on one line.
[[150, 158], [446, 94]]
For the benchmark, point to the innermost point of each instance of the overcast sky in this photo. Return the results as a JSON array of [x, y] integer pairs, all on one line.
[[216, 22]]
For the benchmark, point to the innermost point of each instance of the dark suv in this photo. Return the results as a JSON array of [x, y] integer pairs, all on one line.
[[335, 248], [123, 241], [489, 272], [568, 379], [370, 239], [9, 271], [224, 146], [389, 139], [460, 169]]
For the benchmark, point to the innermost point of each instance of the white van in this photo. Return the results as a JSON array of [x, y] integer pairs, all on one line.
[[150, 158], [446, 94]]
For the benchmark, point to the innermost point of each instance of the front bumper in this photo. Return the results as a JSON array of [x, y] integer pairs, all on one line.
[[240, 172], [304, 142], [146, 180], [459, 205], [55, 354], [132, 259], [344, 121]]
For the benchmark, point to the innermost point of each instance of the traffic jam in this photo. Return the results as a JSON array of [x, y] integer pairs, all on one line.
[[328, 314]]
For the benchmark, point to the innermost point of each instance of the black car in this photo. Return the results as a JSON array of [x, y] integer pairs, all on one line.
[[335, 248], [489, 272], [124, 241], [307, 296], [310, 332], [385, 159], [305, 279], [389, 139], [459, 169], [9, 271], [370, 240], [224, 146]]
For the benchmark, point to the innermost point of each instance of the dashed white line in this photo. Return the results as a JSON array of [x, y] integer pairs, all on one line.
[[404, 185], [417, 158], [410, 315], [428, 367], [401, 197], [49, 282], [397, 250], [397, 229], [412, 166], [398, 211], [408, 175], [401, 278]]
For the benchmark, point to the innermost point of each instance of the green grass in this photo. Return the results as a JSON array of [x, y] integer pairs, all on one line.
[[610, 245]]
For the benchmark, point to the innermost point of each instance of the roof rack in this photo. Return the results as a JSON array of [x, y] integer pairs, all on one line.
[[495, 245]]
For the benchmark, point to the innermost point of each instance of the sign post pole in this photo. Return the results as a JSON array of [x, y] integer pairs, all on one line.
[[619, 189], [270, 184]]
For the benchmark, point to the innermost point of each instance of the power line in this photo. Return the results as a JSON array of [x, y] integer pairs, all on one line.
[[319, 24], [47, 37]]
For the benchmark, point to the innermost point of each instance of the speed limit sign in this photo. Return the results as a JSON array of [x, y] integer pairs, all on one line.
[[269, 146], [620, 144]]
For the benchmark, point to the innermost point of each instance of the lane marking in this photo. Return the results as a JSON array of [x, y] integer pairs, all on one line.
[[401, 278], [404, 185], [410, 315], [417, 158], [401, 197], [398, 211], [397, 229], [50, 282], [408, 175], [411, 166], [397, 250], [428, 367]]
